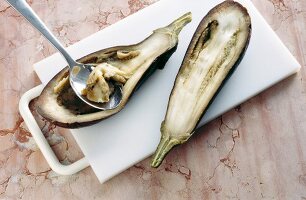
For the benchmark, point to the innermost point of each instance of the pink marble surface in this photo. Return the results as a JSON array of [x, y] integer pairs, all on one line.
[[255, 151]]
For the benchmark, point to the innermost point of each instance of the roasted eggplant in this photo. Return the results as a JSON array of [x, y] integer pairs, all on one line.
[[59, 104], [215, 50]]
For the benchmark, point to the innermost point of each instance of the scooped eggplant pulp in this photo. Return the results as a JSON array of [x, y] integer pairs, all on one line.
[[215, 50], [59, 104]]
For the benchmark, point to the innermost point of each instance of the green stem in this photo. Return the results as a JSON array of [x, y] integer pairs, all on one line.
[[175, 27], [178, 24], [165, 145]]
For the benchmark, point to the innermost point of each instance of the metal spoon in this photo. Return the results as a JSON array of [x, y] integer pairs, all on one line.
[[78, 72]]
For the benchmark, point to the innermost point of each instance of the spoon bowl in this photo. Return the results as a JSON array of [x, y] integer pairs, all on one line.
[[78, 77]]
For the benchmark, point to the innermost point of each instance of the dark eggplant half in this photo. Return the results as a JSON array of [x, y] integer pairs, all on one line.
[[59, 104], [215, 50]]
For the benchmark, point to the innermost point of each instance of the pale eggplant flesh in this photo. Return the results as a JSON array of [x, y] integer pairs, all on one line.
[[216, 49], [60, 105]]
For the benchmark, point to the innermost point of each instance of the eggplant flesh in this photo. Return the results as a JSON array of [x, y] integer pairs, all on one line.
[[59, 104], [215, 50]]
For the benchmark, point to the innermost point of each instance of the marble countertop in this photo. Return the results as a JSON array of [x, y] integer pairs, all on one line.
[[255, 151]]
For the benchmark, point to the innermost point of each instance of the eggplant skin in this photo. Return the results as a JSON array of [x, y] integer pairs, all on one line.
[[180, 124], [59, 104]]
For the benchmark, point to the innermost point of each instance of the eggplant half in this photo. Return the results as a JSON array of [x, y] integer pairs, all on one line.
[[215, 50], [59, 104]]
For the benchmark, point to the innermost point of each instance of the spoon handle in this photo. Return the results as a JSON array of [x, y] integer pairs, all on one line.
[[24, 9]]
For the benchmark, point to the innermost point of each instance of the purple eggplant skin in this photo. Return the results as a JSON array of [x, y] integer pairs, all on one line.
[[171, 135], [66, 110]]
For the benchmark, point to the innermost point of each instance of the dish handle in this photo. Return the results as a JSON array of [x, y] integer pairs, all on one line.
[[40, 139]]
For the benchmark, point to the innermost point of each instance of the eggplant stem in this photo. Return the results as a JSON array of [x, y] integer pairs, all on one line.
[[165, 145], [179, 24], [175, 27]]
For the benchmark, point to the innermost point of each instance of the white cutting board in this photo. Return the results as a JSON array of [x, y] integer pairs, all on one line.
[[121, 141]]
